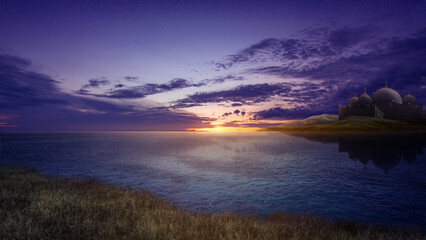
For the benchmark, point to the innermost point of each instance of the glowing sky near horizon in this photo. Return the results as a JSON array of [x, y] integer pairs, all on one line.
[[173, 65]]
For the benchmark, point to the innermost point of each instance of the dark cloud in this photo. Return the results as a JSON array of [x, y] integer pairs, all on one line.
[[338, 63], [94, 83], [400, 61], [294, 94], [144, 90], [21, 88], [349, 36], [312, 48], [219, 80], [130, 78], [7, 60], [244, 94], [150, 89], [227, 114], [237, 112], [30, 101]]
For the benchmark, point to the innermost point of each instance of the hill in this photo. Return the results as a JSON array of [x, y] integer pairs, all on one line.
[[330, 123], [312, 120]]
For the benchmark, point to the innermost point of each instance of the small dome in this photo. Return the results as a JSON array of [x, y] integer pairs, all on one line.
[[387, 94], [409, 99], [365, 98], [353, 100]]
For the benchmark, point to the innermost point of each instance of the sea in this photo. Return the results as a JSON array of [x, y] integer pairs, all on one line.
[[370, 177]]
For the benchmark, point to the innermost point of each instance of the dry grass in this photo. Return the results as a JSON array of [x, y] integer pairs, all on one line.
[[355, 124], [33, 206]]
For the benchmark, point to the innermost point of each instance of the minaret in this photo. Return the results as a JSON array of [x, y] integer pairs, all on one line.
[[386, 84], [365, 90]]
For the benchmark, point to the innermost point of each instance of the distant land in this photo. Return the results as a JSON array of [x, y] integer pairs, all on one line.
[[331, 123]]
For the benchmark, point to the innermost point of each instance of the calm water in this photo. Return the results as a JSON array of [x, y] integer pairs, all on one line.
[[368, 177]]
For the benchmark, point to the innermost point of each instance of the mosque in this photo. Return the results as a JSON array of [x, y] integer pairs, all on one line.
[[385, 103]]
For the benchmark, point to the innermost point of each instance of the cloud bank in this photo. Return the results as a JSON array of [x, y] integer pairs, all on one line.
[[120, 91], [338, 62], [31, 101]]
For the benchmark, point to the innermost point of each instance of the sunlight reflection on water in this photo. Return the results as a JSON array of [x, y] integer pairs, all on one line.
[[369, 177]]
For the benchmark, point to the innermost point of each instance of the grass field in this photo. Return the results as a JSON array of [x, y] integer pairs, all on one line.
[[34, 206], [351, 124]]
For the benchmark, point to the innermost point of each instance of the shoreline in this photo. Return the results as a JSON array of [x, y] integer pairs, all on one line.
[[35, 205], [352, 124]]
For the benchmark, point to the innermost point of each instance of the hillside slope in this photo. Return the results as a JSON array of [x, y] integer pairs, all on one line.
[[330, 123]]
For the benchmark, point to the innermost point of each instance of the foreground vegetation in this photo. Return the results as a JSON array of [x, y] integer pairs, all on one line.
[[354, 124], [33, 206]]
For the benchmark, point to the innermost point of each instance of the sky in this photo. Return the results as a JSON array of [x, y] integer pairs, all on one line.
[[86, 65]]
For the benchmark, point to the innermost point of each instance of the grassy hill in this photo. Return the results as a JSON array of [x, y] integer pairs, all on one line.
[[313, 120], [327, 122]]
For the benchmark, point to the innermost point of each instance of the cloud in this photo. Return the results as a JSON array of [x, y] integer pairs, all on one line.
[[219, 80], [141, 91], [236, 112], [398, 60], [333, 63], [150, 89], [31, 101], [295, 94], [20, 88], [312, 48], [144, 90], [338, 62], [94, 83], [7, 60], [349, 36], [227, 114], [243, 94], [131, 79]]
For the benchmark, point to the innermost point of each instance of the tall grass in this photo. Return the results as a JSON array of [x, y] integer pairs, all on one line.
[[355, 124], [33, 206]]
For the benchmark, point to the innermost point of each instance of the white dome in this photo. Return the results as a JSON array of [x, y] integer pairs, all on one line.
[[409, 99], [387, 94]]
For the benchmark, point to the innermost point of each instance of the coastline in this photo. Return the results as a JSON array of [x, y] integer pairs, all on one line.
[[37, 206], [352, 124]]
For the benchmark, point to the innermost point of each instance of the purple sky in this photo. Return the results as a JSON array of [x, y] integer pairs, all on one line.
[[173, 65]]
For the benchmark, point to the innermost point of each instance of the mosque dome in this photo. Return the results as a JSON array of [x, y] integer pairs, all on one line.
[[387, 94], [409, 99], [353, 100], [365, 98]]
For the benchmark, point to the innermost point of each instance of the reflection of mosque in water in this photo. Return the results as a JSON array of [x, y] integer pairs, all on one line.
[[385, 150]]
